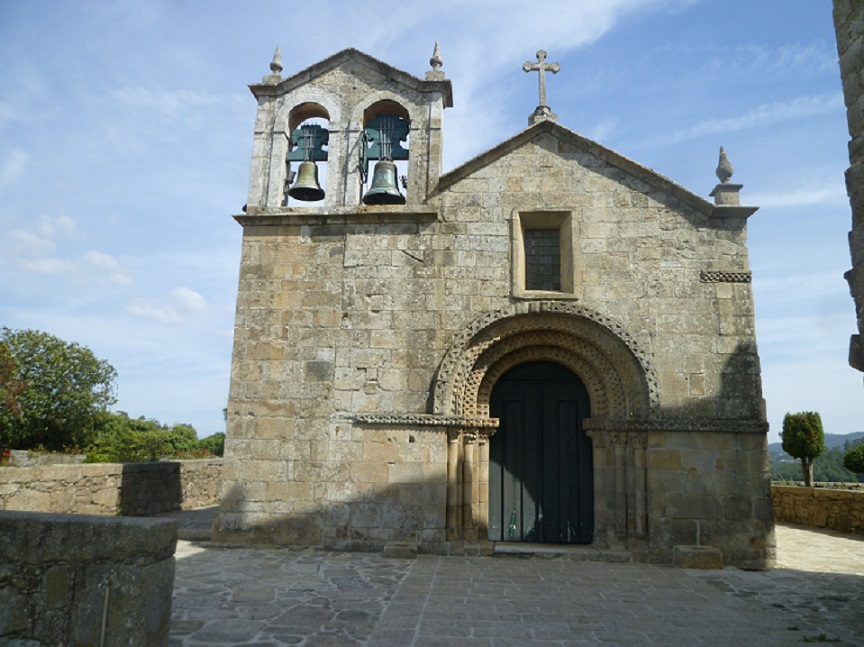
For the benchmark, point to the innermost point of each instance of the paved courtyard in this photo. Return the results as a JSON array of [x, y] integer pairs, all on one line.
[[271, 598]]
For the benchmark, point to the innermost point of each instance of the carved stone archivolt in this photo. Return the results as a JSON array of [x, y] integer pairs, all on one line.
[[614, 368], [621, 386]]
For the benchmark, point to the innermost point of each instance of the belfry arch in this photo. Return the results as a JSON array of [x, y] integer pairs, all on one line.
[[621, 388]]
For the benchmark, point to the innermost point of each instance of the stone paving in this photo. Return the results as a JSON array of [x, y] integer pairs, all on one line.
[[276, 597]]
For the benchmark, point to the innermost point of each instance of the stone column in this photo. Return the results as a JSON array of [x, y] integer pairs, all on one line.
[[618, 440], [482, 511], [279, 148], [603, 484], [469, 532], [453, 477], [638, 526]]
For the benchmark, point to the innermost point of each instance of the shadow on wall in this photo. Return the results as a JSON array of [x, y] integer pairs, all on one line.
[[150, 488], [376, 514], [740, 391], [335, 507]]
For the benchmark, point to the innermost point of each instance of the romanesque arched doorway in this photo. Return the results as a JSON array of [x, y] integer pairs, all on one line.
[[540, 460], [613, 370]]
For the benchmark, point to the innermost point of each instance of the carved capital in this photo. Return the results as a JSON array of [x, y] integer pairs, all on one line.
[[638, 440], [618, 438]]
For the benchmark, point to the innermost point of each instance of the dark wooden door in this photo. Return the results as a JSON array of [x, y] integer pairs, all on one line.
[[541, 482]]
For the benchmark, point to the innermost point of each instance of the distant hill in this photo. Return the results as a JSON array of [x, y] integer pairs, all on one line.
[[831, 441]]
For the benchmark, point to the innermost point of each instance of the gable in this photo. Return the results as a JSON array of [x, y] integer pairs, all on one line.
[[592, 155], [351, 61]]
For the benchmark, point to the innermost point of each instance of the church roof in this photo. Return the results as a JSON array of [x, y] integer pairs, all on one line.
[[350, 54], [607, 155]]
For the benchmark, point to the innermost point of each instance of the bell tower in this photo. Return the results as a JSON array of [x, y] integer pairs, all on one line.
[[349, 132]]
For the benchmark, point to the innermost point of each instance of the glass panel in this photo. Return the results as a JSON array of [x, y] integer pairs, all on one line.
[[542, 259]]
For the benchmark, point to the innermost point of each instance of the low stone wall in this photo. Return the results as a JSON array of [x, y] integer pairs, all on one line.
[[85, 580], [130, 489], [830, 508], [26, 458]]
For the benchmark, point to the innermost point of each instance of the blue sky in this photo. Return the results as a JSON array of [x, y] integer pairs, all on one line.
[[126, 132]]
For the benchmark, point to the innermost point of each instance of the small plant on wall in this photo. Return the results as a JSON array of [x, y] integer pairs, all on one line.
[[804, 438]]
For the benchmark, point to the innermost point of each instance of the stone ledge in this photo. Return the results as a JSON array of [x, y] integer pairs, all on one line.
[[400, 550], [699, 557], [723, 425], [424, 420], [88, 538], [572, 552], [268, 216], [59, 570]]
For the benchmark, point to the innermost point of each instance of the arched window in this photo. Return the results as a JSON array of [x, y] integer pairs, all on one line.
[[385, 135], [306, 162]]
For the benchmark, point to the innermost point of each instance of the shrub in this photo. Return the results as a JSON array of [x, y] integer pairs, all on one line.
[[853, 460], [804, 438]]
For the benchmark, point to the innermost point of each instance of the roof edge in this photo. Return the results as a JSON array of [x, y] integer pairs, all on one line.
[[305, 75], [617, 160]]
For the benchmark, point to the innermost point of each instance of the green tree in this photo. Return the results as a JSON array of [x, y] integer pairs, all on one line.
[[11, 388], [804, 438], [214, 444], [853, 460], [121, 439], [67, 388]]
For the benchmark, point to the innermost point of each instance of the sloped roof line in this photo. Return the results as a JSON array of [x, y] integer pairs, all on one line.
[[317, 69], [606, 154]]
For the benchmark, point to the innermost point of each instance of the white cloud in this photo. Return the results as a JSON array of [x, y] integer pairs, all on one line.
[[833, 194], [61, 225], [181, 305], [13, 166], [22, 242], [108, 266], [485, 68], [48, 266], [100, 260], [758, 61], [170, 101], [602, 131], [188, 301], [33, 252], [763, 115]]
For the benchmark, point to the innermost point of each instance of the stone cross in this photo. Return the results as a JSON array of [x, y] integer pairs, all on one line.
[[542, 67]]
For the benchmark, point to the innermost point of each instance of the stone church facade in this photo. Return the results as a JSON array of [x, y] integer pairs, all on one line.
[[549, 343]]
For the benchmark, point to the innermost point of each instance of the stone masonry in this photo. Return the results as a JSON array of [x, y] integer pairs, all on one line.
[[369, 339], [849, 25], [130, 489], [85, 580]]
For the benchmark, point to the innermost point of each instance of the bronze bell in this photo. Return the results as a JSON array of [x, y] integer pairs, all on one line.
[[384, 189], [306, 188]]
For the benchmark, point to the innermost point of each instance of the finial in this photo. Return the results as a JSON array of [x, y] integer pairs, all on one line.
[[724, 168], [436, 62], [275, 68], [276, 63]]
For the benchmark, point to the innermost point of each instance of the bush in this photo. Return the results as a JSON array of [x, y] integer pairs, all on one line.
[[121, 439], [214, 444], [853, 460], [803, 438]]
